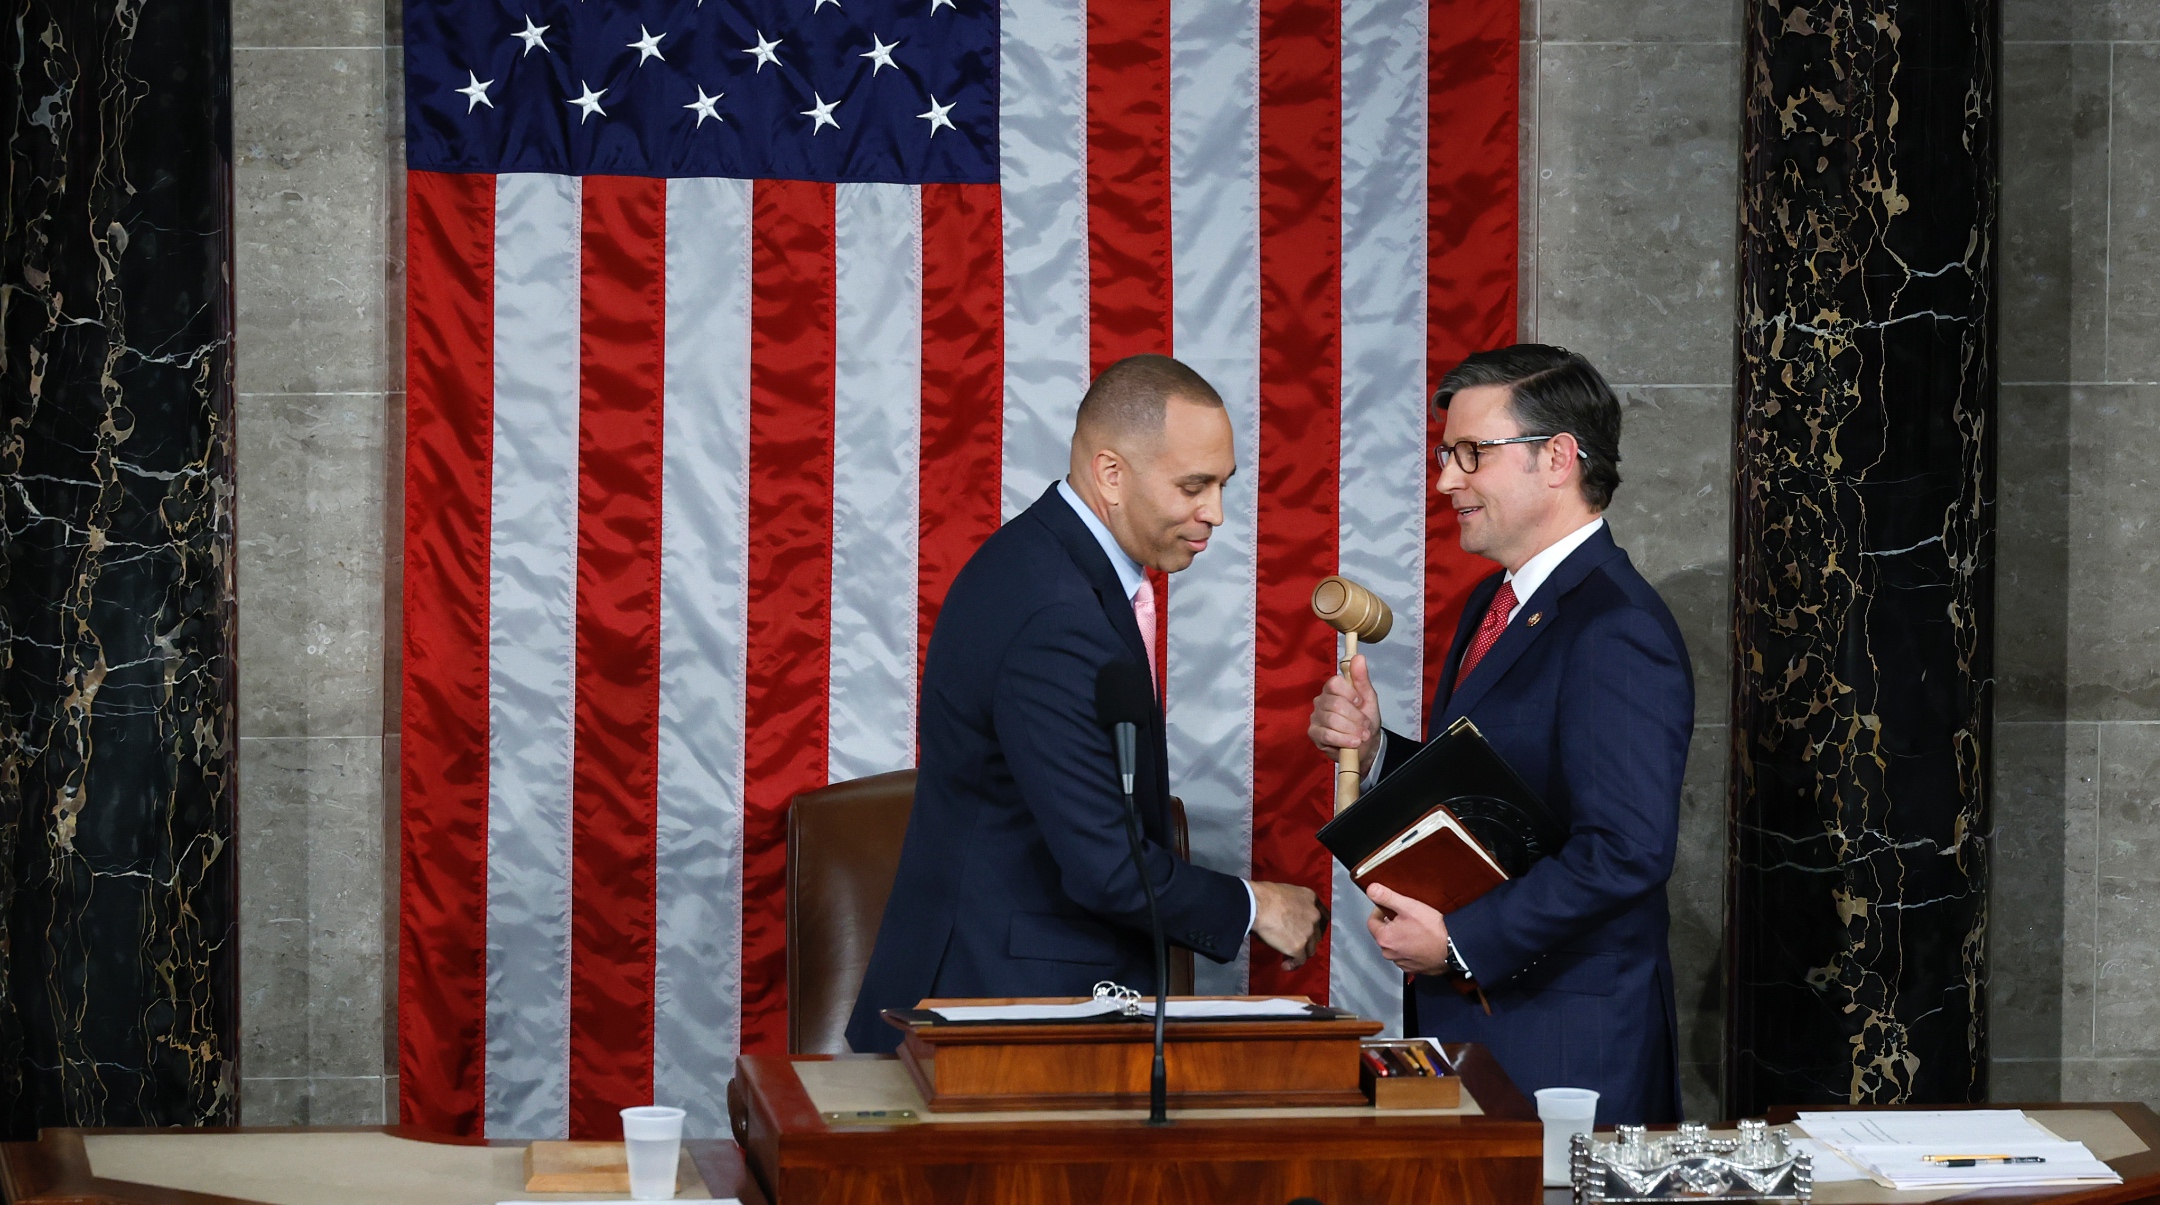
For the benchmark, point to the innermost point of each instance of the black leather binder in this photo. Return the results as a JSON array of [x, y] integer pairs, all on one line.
[[1460, 770]]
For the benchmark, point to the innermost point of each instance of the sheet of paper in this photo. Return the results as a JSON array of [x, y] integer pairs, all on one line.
[[1922, 1127], [1276, 1007], [1907, 1166], [1100, 1008], [1830, 1167], [1026, 1012]]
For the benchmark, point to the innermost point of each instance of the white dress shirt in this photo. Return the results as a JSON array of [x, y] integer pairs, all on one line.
[[1132, 578]]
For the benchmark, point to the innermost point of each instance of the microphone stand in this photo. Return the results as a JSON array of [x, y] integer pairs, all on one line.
[[1158, 1078]]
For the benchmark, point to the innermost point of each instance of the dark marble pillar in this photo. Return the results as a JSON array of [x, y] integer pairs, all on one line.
[[117, 751], [1864, 544]]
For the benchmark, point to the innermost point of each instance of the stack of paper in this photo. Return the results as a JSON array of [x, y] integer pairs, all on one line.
[[1179, 1010], [1948, 1148]]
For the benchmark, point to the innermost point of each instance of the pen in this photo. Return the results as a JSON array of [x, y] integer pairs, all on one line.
[[1976, 1160]]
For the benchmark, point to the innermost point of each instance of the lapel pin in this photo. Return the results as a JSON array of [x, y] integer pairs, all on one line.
[[1532, 621]]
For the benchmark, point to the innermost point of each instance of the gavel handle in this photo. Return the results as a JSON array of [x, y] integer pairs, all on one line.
[[1346, 760]]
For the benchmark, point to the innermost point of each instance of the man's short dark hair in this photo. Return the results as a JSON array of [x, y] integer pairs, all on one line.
[[1551, 391], [1129, 396]]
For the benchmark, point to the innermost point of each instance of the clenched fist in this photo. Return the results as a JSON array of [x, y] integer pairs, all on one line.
[[1290, 919], [1347, 715]]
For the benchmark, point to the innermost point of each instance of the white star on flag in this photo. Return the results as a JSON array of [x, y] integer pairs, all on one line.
[[938, 4], [766, 52], [879, 54], [820, 114], [475, 93], [648, 46], [820, 5], [590, 102], [936, 117], [530, 35], [703, 106]]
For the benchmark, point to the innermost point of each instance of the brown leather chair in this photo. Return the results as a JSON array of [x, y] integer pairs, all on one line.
[[843, 853]]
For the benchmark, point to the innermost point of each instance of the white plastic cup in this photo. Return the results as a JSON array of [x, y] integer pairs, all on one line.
[[652, 1143], [1566, 1112]]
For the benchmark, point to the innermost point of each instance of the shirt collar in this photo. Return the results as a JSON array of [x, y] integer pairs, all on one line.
[[1129, 573], [1534, 571]]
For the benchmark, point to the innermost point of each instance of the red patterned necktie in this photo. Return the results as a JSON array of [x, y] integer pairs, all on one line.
[[1488, 632]]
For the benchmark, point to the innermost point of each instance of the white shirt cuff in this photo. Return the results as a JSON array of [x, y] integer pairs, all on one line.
[[1252, 908], [1372, 772]]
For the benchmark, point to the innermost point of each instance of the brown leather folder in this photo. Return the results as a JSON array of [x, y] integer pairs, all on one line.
[[1435, 861]]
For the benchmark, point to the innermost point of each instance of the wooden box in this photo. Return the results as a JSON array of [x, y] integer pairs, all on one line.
[[1105, 1065], [1443, 1091]]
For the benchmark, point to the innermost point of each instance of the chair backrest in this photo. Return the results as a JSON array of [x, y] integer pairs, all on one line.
[[843, 854]]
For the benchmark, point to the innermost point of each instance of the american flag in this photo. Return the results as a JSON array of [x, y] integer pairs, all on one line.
[[736, 325]]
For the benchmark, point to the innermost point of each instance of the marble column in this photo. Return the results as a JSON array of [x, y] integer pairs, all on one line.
[[1863, 553], [117, 955]]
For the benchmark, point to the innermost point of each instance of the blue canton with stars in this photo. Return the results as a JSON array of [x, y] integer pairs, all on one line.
[[894, 91]]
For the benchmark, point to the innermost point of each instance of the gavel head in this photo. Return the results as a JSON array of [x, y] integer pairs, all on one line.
[[1348, 607]]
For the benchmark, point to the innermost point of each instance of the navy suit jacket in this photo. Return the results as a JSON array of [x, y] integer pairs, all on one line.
[[1016, 877], [1589, 696]]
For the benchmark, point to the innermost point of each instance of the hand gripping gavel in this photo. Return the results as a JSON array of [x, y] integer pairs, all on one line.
[[1357, 613]]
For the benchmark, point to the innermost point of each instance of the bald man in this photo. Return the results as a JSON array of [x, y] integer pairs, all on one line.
[[1016, 878]]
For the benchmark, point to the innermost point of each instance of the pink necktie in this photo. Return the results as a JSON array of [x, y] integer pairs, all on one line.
[[1143, 613]]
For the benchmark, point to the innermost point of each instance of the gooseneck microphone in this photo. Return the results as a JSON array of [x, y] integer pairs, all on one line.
[[1124, 699]]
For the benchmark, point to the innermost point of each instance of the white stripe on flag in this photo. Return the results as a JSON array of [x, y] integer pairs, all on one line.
[[1042, 175], [1215, 256], [532, 642], [704, 606], [1384, 91], [877, 457]]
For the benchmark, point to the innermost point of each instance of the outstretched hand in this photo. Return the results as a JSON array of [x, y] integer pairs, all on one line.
[[1290, 919]]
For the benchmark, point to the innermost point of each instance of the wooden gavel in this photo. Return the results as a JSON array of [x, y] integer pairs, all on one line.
[[1357, 613]]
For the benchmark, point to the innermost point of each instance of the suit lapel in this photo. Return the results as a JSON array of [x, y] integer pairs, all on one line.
[[1056, 514], [1521, 633]]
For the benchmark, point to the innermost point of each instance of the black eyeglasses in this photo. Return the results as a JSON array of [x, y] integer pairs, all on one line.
[[1468, 452]]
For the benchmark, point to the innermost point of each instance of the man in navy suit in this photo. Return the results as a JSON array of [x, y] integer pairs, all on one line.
[[1016, 877], [1570, 664]]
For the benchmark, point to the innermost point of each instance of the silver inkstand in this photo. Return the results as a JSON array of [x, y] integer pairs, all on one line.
[[1760, 1164]]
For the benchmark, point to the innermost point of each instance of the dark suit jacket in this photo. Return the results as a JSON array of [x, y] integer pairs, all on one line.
[[1016, 876], [1589, 696]]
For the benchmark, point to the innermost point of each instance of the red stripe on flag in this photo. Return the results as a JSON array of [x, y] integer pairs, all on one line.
[[1128, 162], [1128, 169], [449, 461], [614, 812], [963, 385], [786, 722], [1472, 181], [1300, 443]]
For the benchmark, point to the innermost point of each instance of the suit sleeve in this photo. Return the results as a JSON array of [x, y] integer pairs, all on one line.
[[1626, 709], [1064, 765]]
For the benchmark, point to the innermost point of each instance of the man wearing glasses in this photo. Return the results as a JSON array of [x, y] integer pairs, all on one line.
[[1571, 665]]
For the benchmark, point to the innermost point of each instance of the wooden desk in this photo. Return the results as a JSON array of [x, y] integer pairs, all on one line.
[[56, 1169], [1254, 1157]]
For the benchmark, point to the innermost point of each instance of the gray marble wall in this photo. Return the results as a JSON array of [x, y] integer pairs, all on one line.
[[318, 139], [1630, 193], [2076, 948]]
